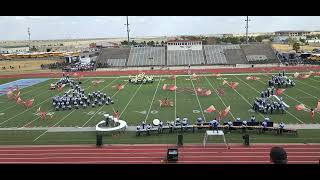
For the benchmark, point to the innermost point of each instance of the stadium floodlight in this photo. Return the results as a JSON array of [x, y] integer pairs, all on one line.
[[247, 28], [128, 30], [29, 37]]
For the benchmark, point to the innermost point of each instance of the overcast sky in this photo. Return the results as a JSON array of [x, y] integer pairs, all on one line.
[[61, 27]]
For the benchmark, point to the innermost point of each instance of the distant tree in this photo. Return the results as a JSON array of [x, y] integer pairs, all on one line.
[[296, 46], [61, 44], [124, 42], [162, 43], [157, 43], [302, 40]]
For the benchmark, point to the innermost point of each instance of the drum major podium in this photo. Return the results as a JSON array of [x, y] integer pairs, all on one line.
[[214, 133]]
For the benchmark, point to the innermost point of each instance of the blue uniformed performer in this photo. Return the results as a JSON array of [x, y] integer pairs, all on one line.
[[281, 127], [214, 124]]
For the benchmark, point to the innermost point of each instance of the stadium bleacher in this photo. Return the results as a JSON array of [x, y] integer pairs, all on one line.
[[215, 54], [116, 57], [185, 57], [211, 54], [259, 53], [146, 56]]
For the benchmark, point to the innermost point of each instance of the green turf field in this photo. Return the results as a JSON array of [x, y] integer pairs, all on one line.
[[138, 103]]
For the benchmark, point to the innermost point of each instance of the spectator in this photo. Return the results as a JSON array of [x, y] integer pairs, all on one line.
[[278, 155]]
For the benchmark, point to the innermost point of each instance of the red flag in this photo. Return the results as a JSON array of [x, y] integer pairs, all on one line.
[[172, 87], [318, 106], [279, 91], [224, 82], [225, 111], [210, 109], [9, 94], [208, 92], [17, 89], [29, 103], [233, 85], [252, 78], [17, 95], [220, 91], [164, 87], [19, 100], [43, 115], [312, 114], [199, 89], [120, 86], [300, 107]]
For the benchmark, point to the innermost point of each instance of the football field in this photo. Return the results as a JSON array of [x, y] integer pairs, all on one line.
[[140, 102]]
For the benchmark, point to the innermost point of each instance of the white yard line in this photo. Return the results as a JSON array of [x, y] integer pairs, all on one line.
[[154, 95], [218, 96], [306, 93], [259, 92], [194, 90], [307, 85], [130, 100], [247, 102], [40, 136], [101, 106], [175, 98]]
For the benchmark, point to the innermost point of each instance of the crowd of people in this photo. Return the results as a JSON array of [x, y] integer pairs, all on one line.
[[77, 98], [280, 80], [265, 105]]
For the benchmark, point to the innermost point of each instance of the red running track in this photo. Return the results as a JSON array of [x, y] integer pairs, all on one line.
[[154, 154], [180, 71]]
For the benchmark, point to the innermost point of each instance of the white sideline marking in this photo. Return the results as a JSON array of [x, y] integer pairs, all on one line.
[[175, 99]]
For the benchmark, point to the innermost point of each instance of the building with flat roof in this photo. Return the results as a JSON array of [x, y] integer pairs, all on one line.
[[14, 49]]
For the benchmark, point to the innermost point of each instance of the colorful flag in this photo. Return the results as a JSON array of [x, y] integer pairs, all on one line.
[[17, 95], [43, 115], [304, 76], [318, 106], [300, 107], [296, 74], [224, 82], [199, 89], [225, 111], [164, 87], [220, 91], [19, 100], [233, 85], [279, 91], [252, 78], [208, 92], [172, 87], [29, 103], [210, 109], [9, 94], [38, 110], [312, 114], [120, 86], [194, 75]]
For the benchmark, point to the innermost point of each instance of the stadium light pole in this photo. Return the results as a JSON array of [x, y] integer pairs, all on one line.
[[247, 28], [128, 30], [29, 37]]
